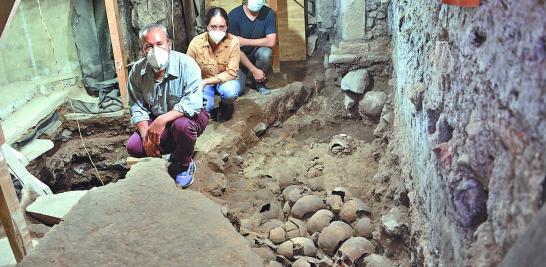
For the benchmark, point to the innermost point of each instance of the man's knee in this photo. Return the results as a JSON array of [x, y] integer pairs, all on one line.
[[229, 91], [135, 147], [265, 54], [185, 127]]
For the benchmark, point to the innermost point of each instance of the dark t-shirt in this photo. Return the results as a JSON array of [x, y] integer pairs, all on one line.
[[241, 25]]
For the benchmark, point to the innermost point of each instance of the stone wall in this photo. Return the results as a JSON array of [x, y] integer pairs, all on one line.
[[470, 103]]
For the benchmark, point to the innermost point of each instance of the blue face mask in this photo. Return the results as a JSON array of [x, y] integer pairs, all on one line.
[[255, 5]]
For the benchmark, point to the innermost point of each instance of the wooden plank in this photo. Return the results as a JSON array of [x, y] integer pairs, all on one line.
[[117, 47], [291, 21], [276, 48], [13, 219], [6, 14]]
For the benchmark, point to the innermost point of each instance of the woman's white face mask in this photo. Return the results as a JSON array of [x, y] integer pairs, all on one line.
[[217, 36], [158, 58]]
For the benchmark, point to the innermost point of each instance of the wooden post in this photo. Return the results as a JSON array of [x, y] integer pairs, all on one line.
[[117, 46], [6, 14], [276, 49], [12, 216]]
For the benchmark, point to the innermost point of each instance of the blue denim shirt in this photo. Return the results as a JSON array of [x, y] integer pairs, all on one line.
[[178, 90]]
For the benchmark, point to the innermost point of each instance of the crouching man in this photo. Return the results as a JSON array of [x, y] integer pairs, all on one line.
[[166, 104], [254, 24]]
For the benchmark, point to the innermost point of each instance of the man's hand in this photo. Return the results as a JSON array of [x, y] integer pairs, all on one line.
[[151, 149], [258, 75], [153, 137]]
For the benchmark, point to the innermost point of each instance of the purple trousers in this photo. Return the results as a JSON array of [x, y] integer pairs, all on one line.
[[178, 139]]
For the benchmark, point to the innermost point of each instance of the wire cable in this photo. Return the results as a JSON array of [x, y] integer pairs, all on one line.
[[66, 93]]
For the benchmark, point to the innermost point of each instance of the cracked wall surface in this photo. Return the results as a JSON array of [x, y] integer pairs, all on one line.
[[470, 102]]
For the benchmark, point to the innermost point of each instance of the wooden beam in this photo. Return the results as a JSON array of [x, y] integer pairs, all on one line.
[[276, 48], [6, 14], [117, 46], [12, 216]]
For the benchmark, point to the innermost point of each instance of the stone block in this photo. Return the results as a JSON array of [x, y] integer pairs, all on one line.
[[356, 81], [352, 23], [50, 209]]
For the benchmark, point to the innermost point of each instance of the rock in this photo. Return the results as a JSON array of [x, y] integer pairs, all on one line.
[[38, 230], [319, 220], [306, 206], [134, 218], [50, 209], [265, 253], [237, 160], [331, 76], [274, 264], [65, 135], [264, 194], [287, 177], [277, 235], [363, 227], [416, 95], [316, 184], [36, 148], [393, 223], [6, 255], [333, 235], [353, 209], [356, 81], [217, 184], [349, 101], [374, 260], [372, 104], [260, 129]]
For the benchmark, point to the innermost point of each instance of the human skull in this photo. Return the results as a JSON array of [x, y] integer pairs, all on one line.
[[353, 209], [353, 251], [306, 206], [294, 228], [292, 193], [333, 235], [319, 220], [341, 144]]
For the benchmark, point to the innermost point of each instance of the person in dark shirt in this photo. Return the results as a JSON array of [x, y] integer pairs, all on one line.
[[254, 25]]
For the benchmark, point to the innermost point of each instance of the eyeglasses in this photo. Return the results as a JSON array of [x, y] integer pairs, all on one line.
[[217, 28]]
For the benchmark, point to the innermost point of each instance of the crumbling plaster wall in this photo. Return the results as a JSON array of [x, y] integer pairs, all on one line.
[[470, 103], [33, 76], [26, 53]]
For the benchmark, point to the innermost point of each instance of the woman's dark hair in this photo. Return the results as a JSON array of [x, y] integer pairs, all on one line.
[[216, 11]]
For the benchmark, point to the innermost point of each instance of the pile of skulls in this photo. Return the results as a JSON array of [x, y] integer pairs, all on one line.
[[316, 229]]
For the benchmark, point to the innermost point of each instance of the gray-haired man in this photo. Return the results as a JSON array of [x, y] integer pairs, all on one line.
[[166, 104]]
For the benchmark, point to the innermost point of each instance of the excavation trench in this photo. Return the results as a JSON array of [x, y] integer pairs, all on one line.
[[311, 146]]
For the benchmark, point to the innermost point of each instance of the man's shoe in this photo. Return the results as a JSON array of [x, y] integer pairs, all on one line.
[[262, 89], [183, 179], [225, 112]]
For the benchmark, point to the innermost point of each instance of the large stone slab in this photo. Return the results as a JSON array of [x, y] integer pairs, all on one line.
[[251, 109], [351, 19], [143, 220], [362, 53], [50, 209]]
